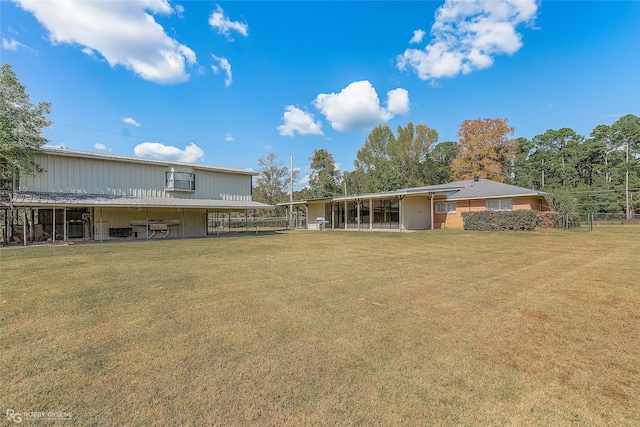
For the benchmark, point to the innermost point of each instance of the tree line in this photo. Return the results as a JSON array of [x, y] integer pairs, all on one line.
[[595, 173]]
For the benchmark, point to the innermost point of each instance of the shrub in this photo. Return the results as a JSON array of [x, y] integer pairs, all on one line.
[[548, 220], [500, 220]]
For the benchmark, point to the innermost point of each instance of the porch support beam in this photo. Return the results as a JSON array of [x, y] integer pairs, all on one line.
[[432, 216], [54, 225], [24, 226]]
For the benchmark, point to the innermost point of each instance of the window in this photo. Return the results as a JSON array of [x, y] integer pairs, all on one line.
[[500, 205], [446, 207], [181, 181]]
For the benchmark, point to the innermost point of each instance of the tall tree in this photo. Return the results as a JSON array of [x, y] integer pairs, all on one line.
[[325, 178], [271, 183], [353, 182], [21, 125], [556, 153], [373, 161], [442, 155], [524, 171], [410, 154], [627, 134], [485, 150], [387, 161]]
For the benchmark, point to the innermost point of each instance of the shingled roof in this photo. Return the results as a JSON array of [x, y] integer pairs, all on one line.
[[488, 189]]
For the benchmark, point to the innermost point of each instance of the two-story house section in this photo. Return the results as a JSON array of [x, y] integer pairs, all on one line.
[[96, 196]]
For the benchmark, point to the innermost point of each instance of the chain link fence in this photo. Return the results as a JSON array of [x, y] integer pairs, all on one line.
[[595, 219]]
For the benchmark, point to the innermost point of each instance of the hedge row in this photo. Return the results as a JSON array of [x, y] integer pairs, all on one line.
[[548, 220], [524, 220]]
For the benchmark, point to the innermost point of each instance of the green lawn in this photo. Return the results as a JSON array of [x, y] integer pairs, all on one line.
[[327, 328]]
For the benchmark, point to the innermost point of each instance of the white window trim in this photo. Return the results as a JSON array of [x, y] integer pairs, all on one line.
[[170, 181], [502, 205], [446, 207]]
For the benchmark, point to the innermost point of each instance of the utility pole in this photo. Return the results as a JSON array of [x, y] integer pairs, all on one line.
[[291, 190]]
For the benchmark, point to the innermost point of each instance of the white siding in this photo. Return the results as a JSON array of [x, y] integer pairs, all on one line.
[[416, 213], [69, 174], [192, 221]]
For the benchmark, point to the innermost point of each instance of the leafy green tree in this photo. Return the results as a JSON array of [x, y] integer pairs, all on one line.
[[410, 154], [325, 178], [272, 182], [524, 172], [387, 161], [565, 203], [442, 155], [626, 133], [353, 182], [374, 163], [556, 152], [21, 125]]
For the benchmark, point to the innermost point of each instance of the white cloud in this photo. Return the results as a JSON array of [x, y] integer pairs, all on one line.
[[358, 107], [192, 153], [124, 32], [228, 137], [398, 101], [466, 36], [418, 35], [100, 146], [224, 64], [303, 181], [130, 121], [224, 25], [12, 44], [179, 11], [296, 120]]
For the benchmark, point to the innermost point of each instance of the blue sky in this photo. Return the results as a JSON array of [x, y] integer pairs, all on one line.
[[225, 83]]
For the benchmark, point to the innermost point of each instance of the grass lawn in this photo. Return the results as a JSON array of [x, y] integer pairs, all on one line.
[[327, 328]]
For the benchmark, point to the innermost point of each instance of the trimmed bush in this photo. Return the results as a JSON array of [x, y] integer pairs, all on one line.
[[548, 220], [524, 220]]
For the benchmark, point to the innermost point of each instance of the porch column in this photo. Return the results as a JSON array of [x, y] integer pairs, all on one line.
[[32, 225], [64, 223], [370, 214], [333, 208], [431, 194], [358, 219], [306, 213], [100, 223], [346, 215], [24, 226], [54, 224]]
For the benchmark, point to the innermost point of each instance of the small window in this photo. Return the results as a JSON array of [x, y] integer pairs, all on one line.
[[181, 181], [446, 207], [500, 205]]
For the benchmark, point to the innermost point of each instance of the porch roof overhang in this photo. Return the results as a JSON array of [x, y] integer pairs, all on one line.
[[303, 202], [32, 199], [435, 190]]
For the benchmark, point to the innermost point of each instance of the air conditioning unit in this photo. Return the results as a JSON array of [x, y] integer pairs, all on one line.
[[85, 216]]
